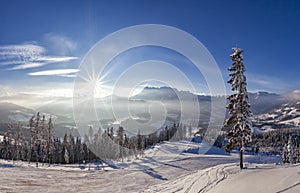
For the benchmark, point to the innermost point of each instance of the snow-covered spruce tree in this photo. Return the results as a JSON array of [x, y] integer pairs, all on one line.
[[8, 143], [50, 140], [295, 154], [120, 142], [20, 143], [290, 150], [239, 106], [35, 138], [284, 154], [298, 154]]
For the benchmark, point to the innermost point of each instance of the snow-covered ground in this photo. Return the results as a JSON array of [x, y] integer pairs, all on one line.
[[229, 178], [262, 130], [167, 167]]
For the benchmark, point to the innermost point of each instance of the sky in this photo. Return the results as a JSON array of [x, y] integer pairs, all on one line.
[[42, 43]]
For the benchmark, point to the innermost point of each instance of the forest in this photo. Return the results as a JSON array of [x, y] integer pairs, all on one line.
[[41, 146]]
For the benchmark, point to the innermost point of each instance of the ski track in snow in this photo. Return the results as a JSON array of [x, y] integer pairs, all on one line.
[[200, 181]]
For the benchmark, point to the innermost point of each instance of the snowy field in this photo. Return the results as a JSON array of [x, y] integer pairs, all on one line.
[[163, 168]]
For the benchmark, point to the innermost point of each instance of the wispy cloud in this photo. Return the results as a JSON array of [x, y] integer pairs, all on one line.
[[28, 65], [54, 59], [20, 52], [30, 95], [61, 43], [56, 72], [25, 56], [266, 82]]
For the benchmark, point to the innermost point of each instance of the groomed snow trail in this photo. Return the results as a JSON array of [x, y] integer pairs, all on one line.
[[266, 178], [200, 181], [163, 163], [164, 168]]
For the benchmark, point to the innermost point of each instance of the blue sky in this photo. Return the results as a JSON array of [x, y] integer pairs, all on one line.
[[51, 37]]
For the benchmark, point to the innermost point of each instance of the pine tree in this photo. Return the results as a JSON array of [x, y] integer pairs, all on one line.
[[66, 156], [111, 134], [295, 154], [284, 154], [140, 143], [298, 154], [50, 141], [96, 144], [20, 143], [8, 143], [72, 149], [35, 138], [65, 148], [90, 133], [77, 150], [44, 140], [120, 141], [239, 106], [126, 145], [290, 150]]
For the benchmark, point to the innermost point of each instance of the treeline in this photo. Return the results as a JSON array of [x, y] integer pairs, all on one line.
[[42, 147], [291, 151], [284, 142], [39, 147], [117, 145], [274, 141]]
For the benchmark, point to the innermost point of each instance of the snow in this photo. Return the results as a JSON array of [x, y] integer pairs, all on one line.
[[262, 178], [295, 121], [196, 149], [263, 129], [229, 178], [166, 167]]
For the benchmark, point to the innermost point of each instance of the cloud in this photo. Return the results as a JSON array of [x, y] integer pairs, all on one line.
[[56, 72], [267, 82], [60, 43], [68, 75], [12, 62], [27, 65], [25, 56], [20, 52], [5, 91], [54, 59], [36, 96]]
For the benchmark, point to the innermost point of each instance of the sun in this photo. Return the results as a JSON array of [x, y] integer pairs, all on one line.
[[93, 84], [101, 89]]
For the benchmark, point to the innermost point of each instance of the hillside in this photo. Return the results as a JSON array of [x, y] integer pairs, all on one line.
[[288, 115], [10, 111]]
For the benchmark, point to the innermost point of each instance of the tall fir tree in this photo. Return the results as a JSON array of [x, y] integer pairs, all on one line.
[[284, 156], [239, 106], [290, 150], [35, 138], [20, 143], [120, 142], [50, 140], [8, 143]]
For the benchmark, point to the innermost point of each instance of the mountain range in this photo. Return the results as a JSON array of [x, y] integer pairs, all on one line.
[[268, 108]]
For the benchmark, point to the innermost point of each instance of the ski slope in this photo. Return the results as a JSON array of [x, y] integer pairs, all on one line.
[[229, 178], [166, 167]]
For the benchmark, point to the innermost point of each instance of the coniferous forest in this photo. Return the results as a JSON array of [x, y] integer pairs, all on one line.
[[41, 146]]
